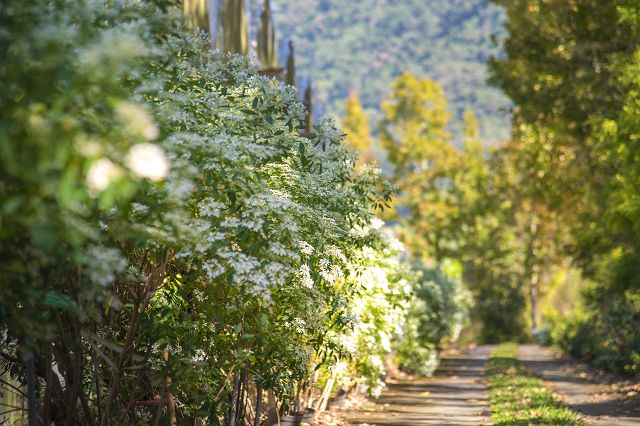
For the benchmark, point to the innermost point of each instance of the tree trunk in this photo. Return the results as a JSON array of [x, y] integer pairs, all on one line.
[[273, 408], [31, 382], [233, 411], [171, 405], [256, 421], [533, 295], [532, 272]]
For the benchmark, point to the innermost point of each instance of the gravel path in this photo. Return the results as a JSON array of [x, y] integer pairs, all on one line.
[[601, 399], [456, 395]]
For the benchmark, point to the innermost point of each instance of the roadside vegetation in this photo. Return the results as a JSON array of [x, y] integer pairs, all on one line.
[[518, 398]]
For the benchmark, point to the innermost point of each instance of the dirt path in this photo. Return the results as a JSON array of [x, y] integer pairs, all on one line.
[[456, 395], [601, 399]]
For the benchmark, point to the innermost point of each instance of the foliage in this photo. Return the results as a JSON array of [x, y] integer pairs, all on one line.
[[380, 308], [414, 136], [68, 158], [607, 336], [571, 69], [355, 124], [562, 59], [364, 46], [455, 204], [167, 232], [438, 312], [517, 398]]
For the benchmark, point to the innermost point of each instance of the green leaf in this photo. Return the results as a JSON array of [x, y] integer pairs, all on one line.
[[12, 204], [59, 301]]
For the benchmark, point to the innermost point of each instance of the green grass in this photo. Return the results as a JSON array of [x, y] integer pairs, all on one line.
[[518, 398]]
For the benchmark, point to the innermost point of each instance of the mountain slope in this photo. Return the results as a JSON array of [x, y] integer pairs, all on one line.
[[345, 45]]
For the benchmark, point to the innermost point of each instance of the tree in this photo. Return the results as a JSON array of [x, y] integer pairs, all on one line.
[[562, 60], [355, 124], [571, 70], [561, 69], [226, 23], [267, 38], [487, 245], [414, 136]]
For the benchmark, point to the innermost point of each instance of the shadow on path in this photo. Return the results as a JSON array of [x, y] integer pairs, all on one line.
[[593, 400], [455, 395]]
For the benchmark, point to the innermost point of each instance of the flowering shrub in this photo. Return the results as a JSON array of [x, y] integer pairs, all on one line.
[[438, 312], [166, 232], [379, 308]]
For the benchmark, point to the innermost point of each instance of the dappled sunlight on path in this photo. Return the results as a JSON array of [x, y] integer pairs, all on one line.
[[456, 395], [591, 397]]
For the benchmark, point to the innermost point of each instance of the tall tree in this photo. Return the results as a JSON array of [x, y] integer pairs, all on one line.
[[562, 59], [414, 136], [569, 68], [487, 242], [267, 38], [355, 124], [562, 66], [291, 66], [233, 30]]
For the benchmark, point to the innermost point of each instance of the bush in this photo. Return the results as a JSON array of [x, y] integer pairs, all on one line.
[[165, 221], [606, 336], [438, 312]]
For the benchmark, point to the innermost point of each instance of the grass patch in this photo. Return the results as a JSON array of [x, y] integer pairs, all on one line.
[[518, 398]]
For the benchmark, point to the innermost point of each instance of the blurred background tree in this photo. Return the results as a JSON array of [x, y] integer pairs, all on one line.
[[417, 144], [355, 125], [571, 69]]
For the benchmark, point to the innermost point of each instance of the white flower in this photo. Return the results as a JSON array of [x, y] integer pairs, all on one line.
[[298, 325], [336, 253], [385, 341], [200, 356], [376, 223], [179, 188], [210, 207], [104, 263], [100, 175], [278, 249], [340, 368], [213, 269], [329, 272], [377, 390], [199, 296], [138, 207], [304, 275], [137, 120], [305, 247], [147, 160], [276, 272]]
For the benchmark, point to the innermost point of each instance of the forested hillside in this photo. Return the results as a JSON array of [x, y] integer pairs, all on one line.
[[363, 45]]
